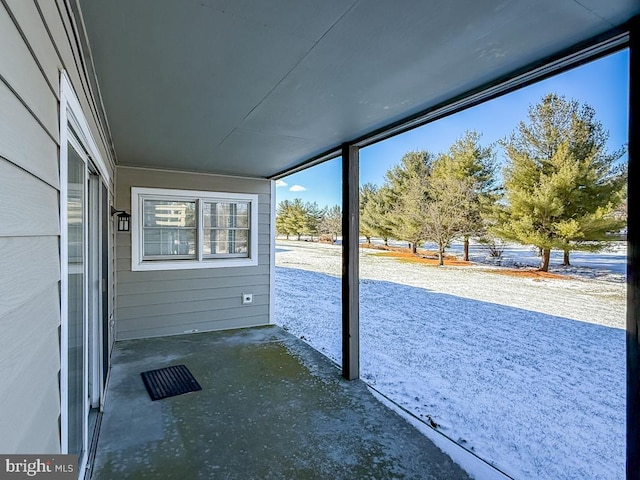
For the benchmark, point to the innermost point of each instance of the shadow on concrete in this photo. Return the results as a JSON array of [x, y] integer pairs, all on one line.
[[271, 408]]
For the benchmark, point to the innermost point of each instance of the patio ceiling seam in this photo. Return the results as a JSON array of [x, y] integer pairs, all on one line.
[[593, 12], [284, 77]]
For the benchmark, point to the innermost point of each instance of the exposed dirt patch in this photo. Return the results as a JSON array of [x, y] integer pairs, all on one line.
[[424, 257], [527, 273], [386, 248]]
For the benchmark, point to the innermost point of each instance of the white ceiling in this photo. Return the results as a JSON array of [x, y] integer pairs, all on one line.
[[255, 87]]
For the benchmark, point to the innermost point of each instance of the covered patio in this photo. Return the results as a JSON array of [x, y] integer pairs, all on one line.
[[127, 127], [270, 407]]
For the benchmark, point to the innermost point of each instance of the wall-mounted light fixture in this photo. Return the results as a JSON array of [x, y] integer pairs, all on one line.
[[123, 219]]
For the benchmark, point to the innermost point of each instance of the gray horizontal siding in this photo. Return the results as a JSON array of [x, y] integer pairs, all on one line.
[[143, 177], [264, 209], [180, 285], [190, 326], [24, 141], [38, 39], [29, 370], [29, 350], [29, 266], [224, 307], [20, 70], [29, 238], [36, 43], [191, 296], [20, 215], [126, 277], [169, 302], [58, 25]]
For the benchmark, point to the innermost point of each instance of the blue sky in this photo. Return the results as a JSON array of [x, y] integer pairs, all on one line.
[[603, 84]]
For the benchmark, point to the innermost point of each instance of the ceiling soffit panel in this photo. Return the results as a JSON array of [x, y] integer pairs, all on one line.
[[380, 65], [246, 151], [177, 77], [254, 88], [301, 19]]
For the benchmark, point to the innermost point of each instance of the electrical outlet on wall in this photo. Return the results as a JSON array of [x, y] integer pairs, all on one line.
[[247, 298]]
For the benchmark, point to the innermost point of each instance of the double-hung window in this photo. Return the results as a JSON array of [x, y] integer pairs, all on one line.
[[183, 229]]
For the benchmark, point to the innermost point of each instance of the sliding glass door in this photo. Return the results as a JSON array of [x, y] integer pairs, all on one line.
[[76, 300], [84, 253]]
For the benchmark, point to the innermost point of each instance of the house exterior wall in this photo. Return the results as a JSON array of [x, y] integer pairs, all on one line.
[[169, 302], [37, 43]]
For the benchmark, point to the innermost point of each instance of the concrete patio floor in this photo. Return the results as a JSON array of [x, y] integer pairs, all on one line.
[[271, 407]]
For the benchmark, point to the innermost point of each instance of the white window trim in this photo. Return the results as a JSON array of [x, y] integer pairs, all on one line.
[[138, 194]]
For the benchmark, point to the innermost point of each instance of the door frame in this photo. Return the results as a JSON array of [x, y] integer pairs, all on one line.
[[94, 288], [75, 130]]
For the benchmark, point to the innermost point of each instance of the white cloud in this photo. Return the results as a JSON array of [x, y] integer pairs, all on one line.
[[297, 188], [281, 183]]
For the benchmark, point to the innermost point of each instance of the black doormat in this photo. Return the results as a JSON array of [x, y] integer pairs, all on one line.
[[169, 382]]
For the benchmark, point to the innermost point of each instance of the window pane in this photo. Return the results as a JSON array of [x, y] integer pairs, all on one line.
[[226, 242], [226, 215], [164, 213], [242, 215], [169, 228], [169, 242], [76, 221]]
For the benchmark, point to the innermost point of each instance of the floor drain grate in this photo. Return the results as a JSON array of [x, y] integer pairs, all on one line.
[[169, 382]]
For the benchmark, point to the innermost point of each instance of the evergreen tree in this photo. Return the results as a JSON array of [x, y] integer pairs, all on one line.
[[314, 218], [367, 193], [383, 213], [375, 212], [474, 165], [297, 218], [561, 186], [406, 195], [296, 221], [282, 214]]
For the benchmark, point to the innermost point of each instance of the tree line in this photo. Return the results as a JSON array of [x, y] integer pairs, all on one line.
[[560, 189], [295, 218]]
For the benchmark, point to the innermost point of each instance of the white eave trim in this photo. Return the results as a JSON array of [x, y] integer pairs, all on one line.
[[75, 116]]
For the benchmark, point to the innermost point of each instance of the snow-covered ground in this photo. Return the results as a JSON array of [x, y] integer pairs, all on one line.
[[527, 373]]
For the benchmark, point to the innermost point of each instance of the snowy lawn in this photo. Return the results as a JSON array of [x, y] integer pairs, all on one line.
[[527, 373]]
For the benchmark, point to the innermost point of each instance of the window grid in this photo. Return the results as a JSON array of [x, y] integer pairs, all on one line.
[[194, 229], [169, 229], [226, 229]]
